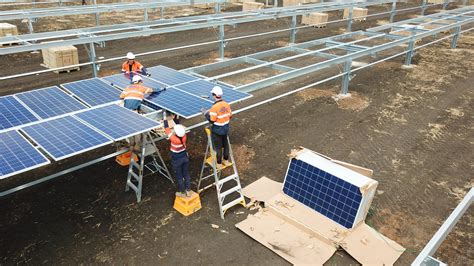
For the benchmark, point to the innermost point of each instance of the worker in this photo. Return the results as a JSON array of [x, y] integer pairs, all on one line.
[[219, 116], [179, 158], [133, 67], [134, 94]]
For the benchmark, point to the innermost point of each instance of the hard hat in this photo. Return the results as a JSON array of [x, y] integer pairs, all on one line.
[[217, 91], [136, 79], [179, 130], [130, 56]]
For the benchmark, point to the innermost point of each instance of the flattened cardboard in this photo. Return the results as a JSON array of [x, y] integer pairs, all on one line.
[[292, 244], [369, 247], [262, 189]]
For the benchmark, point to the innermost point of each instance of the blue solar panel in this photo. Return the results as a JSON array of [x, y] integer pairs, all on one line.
[[49, 102], [93, 91], [123, 80], [117, 122], [18, 155], [65, 136], [203, 88], [179, 102], [13, 113], [169, 76], [327, 194]]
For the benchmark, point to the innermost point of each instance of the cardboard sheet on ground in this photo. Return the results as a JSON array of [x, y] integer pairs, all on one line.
[[303, 236]]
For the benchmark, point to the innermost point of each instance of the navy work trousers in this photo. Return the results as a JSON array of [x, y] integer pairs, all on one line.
[[220, 143], [180, 167]]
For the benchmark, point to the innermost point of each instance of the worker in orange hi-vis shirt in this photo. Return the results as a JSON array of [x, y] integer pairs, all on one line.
[[134, 94], [133, 67], [219, 116]]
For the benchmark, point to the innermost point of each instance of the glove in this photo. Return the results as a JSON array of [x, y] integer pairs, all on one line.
[[148, 74], [203, 111]]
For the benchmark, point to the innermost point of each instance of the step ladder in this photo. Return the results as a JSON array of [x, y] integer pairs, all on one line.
[[228, 186], [149, 162]]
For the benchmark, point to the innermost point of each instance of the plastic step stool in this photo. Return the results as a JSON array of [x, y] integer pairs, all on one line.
[[124, 159], [187, 205]]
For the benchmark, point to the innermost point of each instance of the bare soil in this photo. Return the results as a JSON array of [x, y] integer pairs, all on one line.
[[414, 127]]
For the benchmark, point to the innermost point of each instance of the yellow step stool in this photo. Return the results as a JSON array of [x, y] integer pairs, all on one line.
[[187, 205]]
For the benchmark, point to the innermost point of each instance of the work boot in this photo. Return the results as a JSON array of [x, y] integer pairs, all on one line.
[[180, 194], [219, 166], [189, 193], [226, 163]]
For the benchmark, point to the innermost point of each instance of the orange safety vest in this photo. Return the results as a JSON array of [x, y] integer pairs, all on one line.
[[135, 92], [177, 144], [220, 113], [136, 67]]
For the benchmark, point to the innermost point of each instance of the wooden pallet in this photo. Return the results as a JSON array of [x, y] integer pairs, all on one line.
[[67, 70]]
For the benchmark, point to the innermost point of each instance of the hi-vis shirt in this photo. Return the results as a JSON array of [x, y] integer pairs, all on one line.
[[177, 144], [135, 92], [219, 115], [135, 67]]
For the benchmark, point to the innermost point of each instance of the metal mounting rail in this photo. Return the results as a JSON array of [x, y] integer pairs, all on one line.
[[36, 41]]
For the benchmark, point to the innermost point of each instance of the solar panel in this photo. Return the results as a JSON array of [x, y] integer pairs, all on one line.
[[117, 122], [179, 102], [13, 113], [169, 76], [93, 91], [65, 136], [49, 102], [17, 155], [328, 188], [203, 88], [123, 80]]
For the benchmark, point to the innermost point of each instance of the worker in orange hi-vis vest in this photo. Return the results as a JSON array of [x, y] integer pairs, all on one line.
[[219, 116], [132, 67], [179, 158]]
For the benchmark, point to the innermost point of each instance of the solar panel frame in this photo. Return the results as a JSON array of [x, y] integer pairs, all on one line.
[[121, 81], [36, 158], [10, 119], [331, 194], [65, 131], [112, 119], [169, 76], [49, 102], [202, 88], [93, 91]]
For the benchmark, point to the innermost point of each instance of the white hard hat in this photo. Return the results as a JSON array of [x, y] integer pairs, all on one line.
[[130, 55], [179, 130], [217, 91], [136, 79]]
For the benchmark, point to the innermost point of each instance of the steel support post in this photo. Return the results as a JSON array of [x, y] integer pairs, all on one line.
[[275, 3], [97, 16], [392, 12], [409, 54], [145, 14], [464, 2], [346, 78], [454, 42], [30, 26], [221, 41], [293, 30], [92, 58], [349, 22], [423, 7], [217, 8], [162, 13], [445, 4]]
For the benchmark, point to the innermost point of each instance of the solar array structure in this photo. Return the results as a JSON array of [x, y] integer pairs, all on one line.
[[328, 188]]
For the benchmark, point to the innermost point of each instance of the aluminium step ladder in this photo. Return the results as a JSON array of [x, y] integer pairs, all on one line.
[[137, 170], [222, 183]]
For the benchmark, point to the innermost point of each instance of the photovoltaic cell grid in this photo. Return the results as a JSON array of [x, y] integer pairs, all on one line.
[[93, 91], [179, 102], [18, 155], [123, 80], [117, 122], [169, 76], [202, 88], [65, 136], [13, 113], [325, 193], [49, 102]]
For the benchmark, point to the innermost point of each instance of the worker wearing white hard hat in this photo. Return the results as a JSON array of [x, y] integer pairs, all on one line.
[[133, 67], [219, 116], [134, 94], [179, 157]]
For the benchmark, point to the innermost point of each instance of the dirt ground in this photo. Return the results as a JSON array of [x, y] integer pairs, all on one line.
[[413, 127]]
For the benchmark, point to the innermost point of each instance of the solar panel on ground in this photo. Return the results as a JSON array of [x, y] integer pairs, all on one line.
[[17, 155], [329, 188], [202, 88], [13, 113], [93, 91], [49, 102], [123, 80], [179, 102], [65, 136], [117, 122], [169, 76]]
